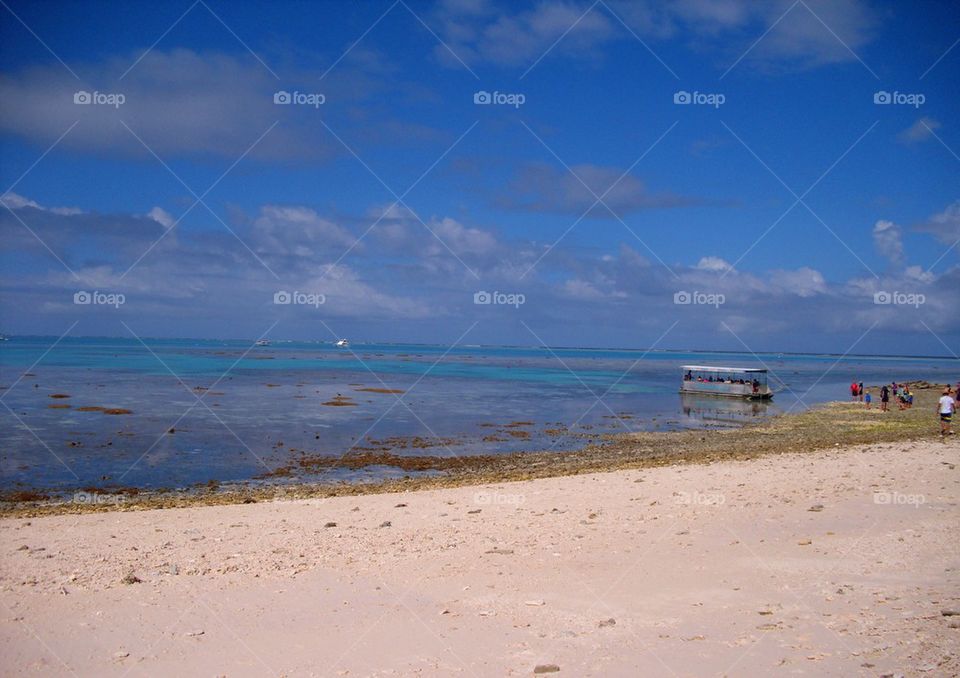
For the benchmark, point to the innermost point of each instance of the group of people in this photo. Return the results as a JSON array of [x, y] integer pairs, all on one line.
[[754, 383], [946, 406]]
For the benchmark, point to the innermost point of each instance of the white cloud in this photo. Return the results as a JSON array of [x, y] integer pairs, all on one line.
[[297, 231], [919, 274], [16, 202], [803, 282], [887, 238], [461, 239], [945, 225], [714, 264], [921, 130], [161, 216], [347, 295]]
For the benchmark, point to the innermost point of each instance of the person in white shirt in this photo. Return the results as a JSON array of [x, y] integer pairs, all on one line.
[[945, 408]]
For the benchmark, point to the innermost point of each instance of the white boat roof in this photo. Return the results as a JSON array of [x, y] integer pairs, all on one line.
[[708, 368]]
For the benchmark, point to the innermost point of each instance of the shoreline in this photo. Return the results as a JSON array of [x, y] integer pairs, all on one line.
[[832, 424]]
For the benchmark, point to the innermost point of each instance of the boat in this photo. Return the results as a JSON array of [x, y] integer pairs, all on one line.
[[342, 343], [732, 382], [262, 342]]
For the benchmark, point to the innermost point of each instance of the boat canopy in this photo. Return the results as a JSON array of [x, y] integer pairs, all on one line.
[[707, 368], [740, 382]]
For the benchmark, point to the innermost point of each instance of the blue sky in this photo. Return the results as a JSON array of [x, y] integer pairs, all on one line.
[[398, 198]]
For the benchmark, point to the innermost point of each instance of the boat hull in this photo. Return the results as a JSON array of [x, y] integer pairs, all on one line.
[[722, 390]]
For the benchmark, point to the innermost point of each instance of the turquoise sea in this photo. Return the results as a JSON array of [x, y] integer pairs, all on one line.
[[227, 411]]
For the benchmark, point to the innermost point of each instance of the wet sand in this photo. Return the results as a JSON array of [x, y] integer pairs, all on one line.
[[840, 562]]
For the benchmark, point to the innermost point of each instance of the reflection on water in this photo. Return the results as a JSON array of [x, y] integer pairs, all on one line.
[[716, 411]]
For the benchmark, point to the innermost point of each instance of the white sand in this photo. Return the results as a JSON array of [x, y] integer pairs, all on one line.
[[705, 570]]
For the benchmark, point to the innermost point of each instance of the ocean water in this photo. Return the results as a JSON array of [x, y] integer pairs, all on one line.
[[237, 412]]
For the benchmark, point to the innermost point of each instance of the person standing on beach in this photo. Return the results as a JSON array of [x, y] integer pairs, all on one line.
[[884, 398], [853, 390], [860, 391], [867, 399], [945, 408]]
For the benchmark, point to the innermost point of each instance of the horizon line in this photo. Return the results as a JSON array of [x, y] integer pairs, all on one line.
[[523, 346]]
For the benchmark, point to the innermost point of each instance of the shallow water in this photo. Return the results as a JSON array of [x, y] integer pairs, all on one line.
[[238, 411]]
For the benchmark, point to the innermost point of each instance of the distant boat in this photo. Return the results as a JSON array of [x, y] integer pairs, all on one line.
[[262, 342], [735, 382], [342, 343], [4, 337]]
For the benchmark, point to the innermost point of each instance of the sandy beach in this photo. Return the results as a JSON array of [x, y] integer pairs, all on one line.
[[841, 562]]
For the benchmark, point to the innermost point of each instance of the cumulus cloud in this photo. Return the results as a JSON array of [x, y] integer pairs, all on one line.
[[161, 216], [714, 264], [205, 278], [888, 239], [803, 282], [400, 231], [944, 225], [297, 231], [461, 239]]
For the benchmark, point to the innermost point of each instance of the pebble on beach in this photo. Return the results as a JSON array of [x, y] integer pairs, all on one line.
[[546, 668]]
